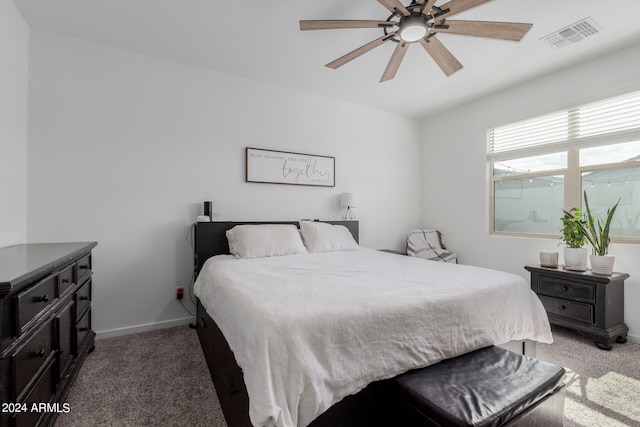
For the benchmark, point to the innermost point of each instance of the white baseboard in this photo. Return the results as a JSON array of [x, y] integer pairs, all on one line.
[[144, 328], [634, 339]]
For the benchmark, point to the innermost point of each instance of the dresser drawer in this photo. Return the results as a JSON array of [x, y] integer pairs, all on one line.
[[31, 356], [63, 328], [65, 279], [41, 393], [566, 289], [568, 309], [83, 327], [83, 298], [83, 267], [34, 301]]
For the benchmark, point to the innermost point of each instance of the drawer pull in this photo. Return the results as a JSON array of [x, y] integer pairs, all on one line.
[[83, 267], [43, 298], [83, 298], [565, 288], [562, 307], [85, 329], [39, 353], [65, 280]]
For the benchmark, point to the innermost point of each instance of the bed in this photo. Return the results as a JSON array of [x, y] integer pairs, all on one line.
[[313, 338]]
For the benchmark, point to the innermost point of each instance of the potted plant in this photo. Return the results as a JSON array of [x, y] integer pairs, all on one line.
[[597, 233], [573, 226]]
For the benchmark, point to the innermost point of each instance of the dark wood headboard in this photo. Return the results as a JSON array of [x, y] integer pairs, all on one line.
[[211, 238]]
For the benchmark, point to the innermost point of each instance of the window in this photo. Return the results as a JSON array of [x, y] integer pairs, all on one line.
[[542, 165]]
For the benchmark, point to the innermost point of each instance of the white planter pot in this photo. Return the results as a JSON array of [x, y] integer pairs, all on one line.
[[575, 259], [602, 264]]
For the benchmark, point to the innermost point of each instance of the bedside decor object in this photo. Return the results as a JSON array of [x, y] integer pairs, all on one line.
[[589, 303], [348, 200], [549, 259], [575, 255], [207, 209], [597, 233], [283, 167]]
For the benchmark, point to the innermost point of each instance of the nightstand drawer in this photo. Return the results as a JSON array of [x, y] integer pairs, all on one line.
[[34, 301], [568, 309], [566, 289]]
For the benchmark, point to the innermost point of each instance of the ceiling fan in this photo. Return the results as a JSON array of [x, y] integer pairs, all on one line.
[[420, 22]]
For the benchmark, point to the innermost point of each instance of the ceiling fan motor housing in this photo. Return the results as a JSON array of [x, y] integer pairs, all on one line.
[[413, 27]]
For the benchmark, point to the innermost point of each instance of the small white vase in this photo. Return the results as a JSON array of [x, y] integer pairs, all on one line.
[[575, 259], [602, 264]]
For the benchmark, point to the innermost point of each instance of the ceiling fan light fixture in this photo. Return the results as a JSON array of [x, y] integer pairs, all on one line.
[[413, 28]]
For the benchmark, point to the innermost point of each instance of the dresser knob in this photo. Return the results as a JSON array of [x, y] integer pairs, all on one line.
[[65, 280], [39, 353], [43, 298], [565, 288], [562, 307]]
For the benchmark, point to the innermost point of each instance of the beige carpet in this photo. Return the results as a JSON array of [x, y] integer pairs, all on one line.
[[160, 378], [603, 387], [157, 378]]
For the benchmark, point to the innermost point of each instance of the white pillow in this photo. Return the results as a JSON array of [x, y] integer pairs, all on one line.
[[264, 240], [323, 237]]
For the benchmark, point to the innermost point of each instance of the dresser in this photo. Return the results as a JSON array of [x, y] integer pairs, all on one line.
[[45, 328], [589, 303]]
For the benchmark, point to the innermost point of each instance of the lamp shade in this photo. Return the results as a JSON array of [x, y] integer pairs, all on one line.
[[348, 200]]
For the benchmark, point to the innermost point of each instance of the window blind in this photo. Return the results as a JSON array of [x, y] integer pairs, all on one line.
[[603, 122]]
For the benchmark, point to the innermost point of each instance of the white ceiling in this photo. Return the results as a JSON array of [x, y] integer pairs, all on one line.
[[261, 40]]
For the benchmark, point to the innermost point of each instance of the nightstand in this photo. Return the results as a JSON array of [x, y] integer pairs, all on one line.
[[589, 303]]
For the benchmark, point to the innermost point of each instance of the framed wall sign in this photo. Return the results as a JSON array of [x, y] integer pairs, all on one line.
[[283, 167]]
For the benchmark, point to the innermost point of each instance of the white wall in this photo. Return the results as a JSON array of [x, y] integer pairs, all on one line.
[[123, 149], [454, 186], [14, 48]]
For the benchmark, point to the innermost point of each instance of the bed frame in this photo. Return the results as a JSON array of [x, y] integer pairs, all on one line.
[[368, 408], [373, 406]]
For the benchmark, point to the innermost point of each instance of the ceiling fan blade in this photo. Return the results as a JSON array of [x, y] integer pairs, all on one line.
[[337, 24], [457, 6], [423, 6], [417, 5], [495, 30], [441, 55], [394, 62], [429, 5], [359, 51], [392, 5]]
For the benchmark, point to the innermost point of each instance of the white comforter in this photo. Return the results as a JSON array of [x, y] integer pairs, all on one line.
[[310, 329]]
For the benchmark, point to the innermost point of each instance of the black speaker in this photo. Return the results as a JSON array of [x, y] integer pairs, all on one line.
[[207, 209]]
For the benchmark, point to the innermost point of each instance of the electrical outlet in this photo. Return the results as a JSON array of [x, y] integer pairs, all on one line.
[[179, 292]]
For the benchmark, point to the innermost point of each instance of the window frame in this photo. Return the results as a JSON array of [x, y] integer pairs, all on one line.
[[572, 173]]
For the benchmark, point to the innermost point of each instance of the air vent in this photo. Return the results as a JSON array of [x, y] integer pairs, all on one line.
[[573, 33]]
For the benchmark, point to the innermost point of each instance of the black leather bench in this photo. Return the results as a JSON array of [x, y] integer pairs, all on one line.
[[487, 387]]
